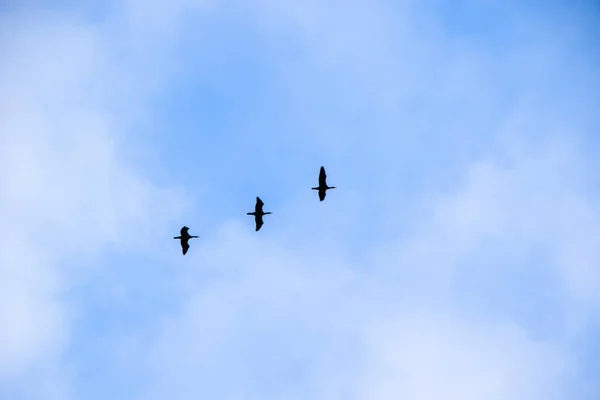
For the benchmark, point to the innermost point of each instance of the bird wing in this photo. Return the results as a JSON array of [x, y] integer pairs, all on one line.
[[184, 231], [259, 221], [259, 205], [184, 246], [322, 193], [322, 177]]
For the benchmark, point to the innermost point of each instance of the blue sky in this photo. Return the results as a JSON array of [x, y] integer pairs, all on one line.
[[459, 257]]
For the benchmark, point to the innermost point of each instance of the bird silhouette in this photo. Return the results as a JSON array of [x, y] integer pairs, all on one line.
[[322, 188], [184, 238], [258, 213]]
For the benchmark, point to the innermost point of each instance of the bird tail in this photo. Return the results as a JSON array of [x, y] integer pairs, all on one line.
[[176, 237], [315, 188], [250, 213], [193, 236]]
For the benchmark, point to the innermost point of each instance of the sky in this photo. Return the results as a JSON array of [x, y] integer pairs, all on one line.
[[457, 259]]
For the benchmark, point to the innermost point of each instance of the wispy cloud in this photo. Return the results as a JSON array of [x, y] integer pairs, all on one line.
[[67, 193], [457, 259]]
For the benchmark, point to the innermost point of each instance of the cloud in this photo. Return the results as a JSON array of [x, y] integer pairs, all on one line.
[[476, 302], [456, 259], [482, 289], [429, 357], [67, 193]]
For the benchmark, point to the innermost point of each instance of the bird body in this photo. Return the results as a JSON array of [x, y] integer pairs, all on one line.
[[322, 188], [258, 213], [184, 238]]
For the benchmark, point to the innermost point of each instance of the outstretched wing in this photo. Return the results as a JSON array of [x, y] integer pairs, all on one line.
[[259, 205], [184, 231], [322, 178], [259, 221], [184, 246], [322, 193]]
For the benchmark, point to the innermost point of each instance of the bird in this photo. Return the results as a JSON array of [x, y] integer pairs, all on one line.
[[258, 213], [322, 188], [185, 236]]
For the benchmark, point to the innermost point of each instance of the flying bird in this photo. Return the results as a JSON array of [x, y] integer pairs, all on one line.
[[322, 188], [185, 236], [258, 213]]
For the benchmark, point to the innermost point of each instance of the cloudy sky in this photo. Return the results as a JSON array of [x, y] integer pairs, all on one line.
[[458, 259]]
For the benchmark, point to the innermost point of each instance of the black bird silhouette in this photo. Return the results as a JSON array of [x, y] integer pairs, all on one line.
[[258, 213], [322, 188], [185, 236]]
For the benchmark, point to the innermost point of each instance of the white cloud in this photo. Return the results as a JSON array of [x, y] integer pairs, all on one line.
[[428, 356], [262, 319], [66, 192], [397, 325], [407, 320]]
